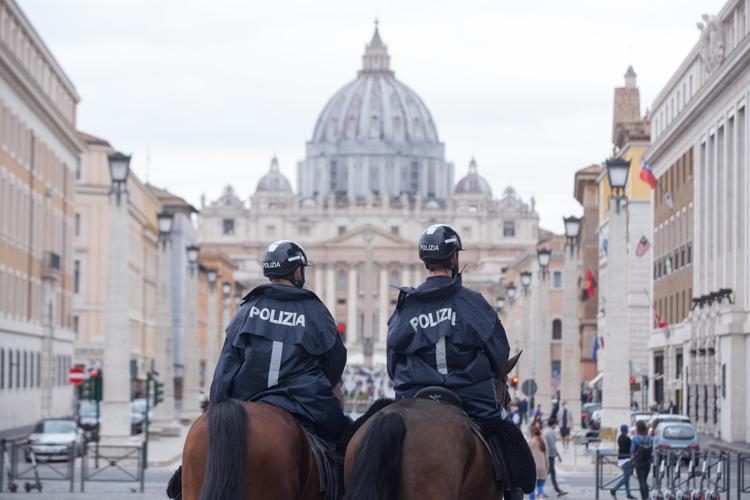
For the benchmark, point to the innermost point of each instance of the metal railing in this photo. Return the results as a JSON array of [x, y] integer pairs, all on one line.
[[743, 471], [32, 464], [114, 463]]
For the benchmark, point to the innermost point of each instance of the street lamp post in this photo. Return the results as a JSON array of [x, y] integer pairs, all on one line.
[[211, 327], [164, 413], [541, 347], [525, 281], [115, 422], [570, 387], [615, 357], [226, 293], [191, 393]]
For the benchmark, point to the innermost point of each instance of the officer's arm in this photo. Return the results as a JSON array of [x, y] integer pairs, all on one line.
[[334, 361], [229, 363], [497, 349]]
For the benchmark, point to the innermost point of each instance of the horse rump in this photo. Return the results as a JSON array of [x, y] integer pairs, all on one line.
[[376, 472], [226, 469]]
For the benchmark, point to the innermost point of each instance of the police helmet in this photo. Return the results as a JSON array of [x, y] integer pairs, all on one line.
[[438, 243], [282, 258]]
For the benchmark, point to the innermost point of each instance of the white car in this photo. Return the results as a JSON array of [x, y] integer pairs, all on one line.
[[53, 437]]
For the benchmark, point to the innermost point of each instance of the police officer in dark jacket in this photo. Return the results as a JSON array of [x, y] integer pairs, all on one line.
[[283, 348], [443, 334]]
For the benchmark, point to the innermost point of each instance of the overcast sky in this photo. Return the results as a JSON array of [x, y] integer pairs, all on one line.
[[210, 90]]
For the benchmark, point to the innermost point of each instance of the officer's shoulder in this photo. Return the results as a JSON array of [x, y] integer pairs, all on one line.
[[468, 293]]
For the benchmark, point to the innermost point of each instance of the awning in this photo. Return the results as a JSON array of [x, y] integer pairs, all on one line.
[[591, 383]]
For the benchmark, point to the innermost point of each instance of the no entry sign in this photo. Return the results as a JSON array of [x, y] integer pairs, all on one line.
[[77, 375]]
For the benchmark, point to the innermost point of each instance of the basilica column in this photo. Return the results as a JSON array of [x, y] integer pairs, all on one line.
[[383, 309], [331, 288], [351, 307], [318, 272], [406, 275]]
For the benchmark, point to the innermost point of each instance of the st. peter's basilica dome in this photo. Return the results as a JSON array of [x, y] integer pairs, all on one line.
[[473, 183]]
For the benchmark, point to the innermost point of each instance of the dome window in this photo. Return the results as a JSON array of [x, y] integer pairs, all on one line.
[[227, 226]]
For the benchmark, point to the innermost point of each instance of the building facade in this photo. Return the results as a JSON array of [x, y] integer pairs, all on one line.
[[373, 179], [699, 154], [39, 158]]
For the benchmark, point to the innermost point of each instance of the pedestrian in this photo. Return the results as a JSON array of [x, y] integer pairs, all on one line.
[[672, 409], [623, 461], [566, 422], [539, 452], [550, 440], [641, 451], [523, 409]]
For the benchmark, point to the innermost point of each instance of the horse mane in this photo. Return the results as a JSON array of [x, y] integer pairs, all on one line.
[[352, 428]]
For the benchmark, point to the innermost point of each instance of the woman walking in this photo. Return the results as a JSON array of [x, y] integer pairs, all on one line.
[[539, 452], [641, 452]]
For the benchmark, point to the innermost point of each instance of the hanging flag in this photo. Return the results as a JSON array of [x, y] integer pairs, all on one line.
[[647, 175], [659, 323], [602, 341], [589, 286], [668, 200], [642, 248], [595, 350]]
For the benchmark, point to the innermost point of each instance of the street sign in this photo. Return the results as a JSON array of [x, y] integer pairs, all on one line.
[[529, 387], [77, 375]]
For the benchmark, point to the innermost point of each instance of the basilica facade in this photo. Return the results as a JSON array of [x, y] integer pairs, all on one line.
[[373, 178]]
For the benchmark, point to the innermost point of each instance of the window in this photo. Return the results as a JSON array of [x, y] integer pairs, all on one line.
[[414, 177], [2, 368], [556, 279], [76, 276], [556, 368], [38, 369], [78, 225], [227, 226], [395, 230], [341, 281], [509, 229], [304, 230], [466, 231], [10, 369], [31, 370], [25, 369], [341, 230], [394, 278], [678, 364], [271, 231], [76, 322], [557, 329]]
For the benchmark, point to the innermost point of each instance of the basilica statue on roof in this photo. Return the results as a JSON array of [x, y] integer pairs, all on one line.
[[374, 176]]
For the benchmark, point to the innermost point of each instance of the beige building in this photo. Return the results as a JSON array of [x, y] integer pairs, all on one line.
[[90, 263], [39, 156], [374, 177]]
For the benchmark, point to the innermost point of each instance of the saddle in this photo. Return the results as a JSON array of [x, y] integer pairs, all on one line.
[[440, 395], [328, 471]]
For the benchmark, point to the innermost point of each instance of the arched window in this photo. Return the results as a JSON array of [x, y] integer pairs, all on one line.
[[341, 281], [557, 329]]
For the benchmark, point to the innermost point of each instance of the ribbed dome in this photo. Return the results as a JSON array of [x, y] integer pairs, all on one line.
[[274, 180], [473, 183], [375, 106]]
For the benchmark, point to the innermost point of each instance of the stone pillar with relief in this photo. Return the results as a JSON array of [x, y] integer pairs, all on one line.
[[570, 390]]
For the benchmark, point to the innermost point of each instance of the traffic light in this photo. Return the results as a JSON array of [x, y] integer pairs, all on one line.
[[341, 327], [97, 386], [514, 381], [158, 392], [634, 385]]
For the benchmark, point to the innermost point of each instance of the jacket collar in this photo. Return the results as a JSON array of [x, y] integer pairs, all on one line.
[[436, 288], [280, 292]]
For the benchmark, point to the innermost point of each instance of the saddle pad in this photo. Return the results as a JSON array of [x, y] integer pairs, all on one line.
[[327, 473], [440, 395], [497, 466]]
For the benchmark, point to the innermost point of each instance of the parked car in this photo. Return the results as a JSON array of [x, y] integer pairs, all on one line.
[[586, 411], [665, 417], [137, 415], [637, 416], [53, 437], [676, 435], [595, 422]]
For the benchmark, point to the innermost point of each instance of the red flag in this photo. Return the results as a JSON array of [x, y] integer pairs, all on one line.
[[647, 175], [589, 285], [659, 322]]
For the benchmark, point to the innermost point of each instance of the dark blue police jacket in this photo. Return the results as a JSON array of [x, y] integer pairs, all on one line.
[[282, 348], [447, 335]]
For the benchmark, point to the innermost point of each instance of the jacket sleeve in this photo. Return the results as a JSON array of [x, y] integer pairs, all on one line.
[[230, 361], [497, 349], [334, 361]]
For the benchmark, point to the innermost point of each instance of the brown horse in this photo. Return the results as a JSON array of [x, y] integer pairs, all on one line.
[[415, 449], [241, 450]]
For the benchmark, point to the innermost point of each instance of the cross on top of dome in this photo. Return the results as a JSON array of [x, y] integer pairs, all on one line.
[[376, 58]]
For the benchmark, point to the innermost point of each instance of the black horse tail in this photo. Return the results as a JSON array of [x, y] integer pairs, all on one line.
[[226, 471], [376, 473]]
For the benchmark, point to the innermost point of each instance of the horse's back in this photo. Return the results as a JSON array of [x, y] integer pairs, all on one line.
[[278, 455], [441, 458]]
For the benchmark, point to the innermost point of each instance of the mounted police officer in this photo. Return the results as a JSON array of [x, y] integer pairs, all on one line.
[[283, 348], [443, 334]]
